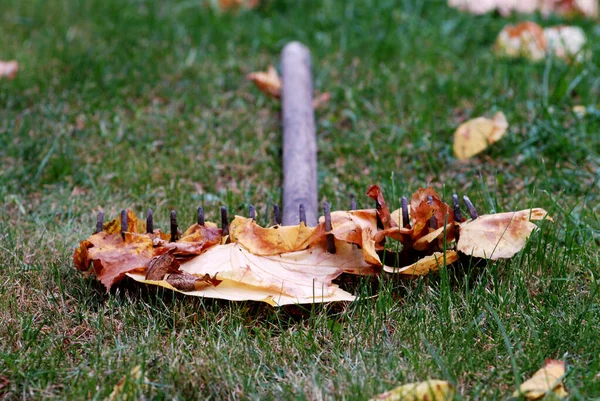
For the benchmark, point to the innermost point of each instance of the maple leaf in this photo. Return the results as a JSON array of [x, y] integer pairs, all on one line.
[[546, 380], [8, 69], [429, 390], [474, 136], [268, 82], [426, 264], [498, 236]]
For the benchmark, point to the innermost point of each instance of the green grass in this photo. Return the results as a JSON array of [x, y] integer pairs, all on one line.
[[144, 104]]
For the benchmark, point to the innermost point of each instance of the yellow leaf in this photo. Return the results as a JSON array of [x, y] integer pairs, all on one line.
[[546, 380], [425, 265], [232, 272], [9, 69], [476, 135], [498, 236], [268, 82], [134, 376], [429, 390]]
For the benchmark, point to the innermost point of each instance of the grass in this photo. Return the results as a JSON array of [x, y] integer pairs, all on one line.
[[144, 104]]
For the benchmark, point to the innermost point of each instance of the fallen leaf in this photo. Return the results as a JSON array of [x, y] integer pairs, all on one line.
[[525, 39], [498, 236], [586, 8], [570, 8], [8, 69], [474, 136], [429, 390], [579, 110], [566, 42], [228, 5], [426, 264], [448, 232], [135, 375], [546, 380], [268, 82], [383, 212], [321, 100], [160, 266]]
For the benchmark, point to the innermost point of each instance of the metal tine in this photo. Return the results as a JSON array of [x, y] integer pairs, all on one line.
[[200, 216], [277, 214], [470, 207], [124, 225], [330, 242], [149, 221], [224, 222], [100, 223], [352, 202], [302, 214], [174, 233], [456, 207], [432, 220], [252, 212], [405, 216]]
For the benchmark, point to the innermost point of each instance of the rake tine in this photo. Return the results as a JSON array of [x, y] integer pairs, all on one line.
[[224, 222], [100, 222], [200, 216], [456, 205], [124, 225], [352, 202], [174, 233], [302, 214], [470, 207], [149, 222], [252, 212], [328, 227], [277, 214], [405, 217], [432, 220]]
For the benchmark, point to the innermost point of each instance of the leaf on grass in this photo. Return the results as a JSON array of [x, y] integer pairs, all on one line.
[[425, 204], [546, 380], [8, 69], [586, 8], [357, 227], [233, 5], [474, 136], [426, 264], [567, 42], [429, 390], [498, 236], [268, 82], [272, 240], [134, 376], [383, 212], [448, 233], [289, 278], [570, 8]]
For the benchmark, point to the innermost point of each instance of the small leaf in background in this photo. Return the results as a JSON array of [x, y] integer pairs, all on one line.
[[429, 390], [268, 82], [546, 380], [135, 375], [569, 8], [474, 136], [8, 69], [525, 39], [566, 42], [234, 5], [498, 236]]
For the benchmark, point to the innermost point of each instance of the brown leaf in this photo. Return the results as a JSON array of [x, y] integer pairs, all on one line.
[[422, 210], [546, 380], [426, 241], [8, 69], [498, 236], [188, 282], [357, 227], [268, 82], [474, 136], [426, 264], [429, 390], [160, 266], [383, 212], [228, 5]]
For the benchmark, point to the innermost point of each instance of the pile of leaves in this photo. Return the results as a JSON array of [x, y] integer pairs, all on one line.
[[297, 264]]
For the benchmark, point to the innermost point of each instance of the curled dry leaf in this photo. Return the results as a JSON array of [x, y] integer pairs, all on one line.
[[426, 264], [268, 82], [546, 380], [498, 236], [8, 69], [429, 390], [474, 136]]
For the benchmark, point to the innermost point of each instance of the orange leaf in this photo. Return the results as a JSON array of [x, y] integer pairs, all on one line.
[[9, 69], [383, 212], [422, 209], [268, 82], [498, 236]]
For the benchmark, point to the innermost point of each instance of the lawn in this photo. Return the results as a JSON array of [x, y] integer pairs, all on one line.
[[141, 103]]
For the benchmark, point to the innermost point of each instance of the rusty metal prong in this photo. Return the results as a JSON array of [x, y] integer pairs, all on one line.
[[100, 223], [149, 221], [224, 222], [200, 216], [432, 220], [352, 202], [124, 223], [174, 233], [405, 217], [470, 207], [330, 242], [252, 212], [277, 214], [302, 214], [456, 208]]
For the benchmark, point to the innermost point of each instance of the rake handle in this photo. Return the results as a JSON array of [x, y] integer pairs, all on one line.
[[299, 136]]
